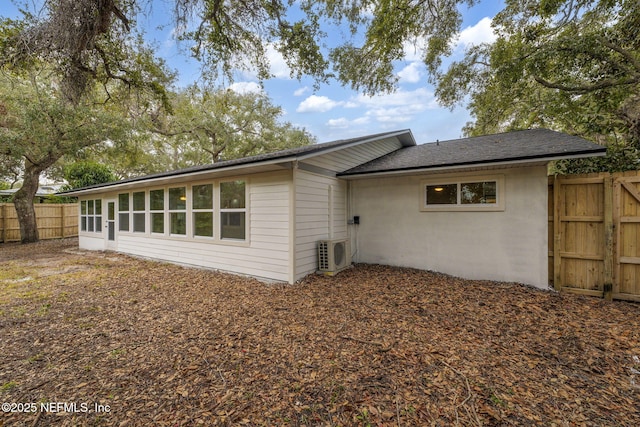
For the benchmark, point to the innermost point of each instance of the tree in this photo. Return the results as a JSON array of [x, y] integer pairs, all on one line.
[[84, 174], [235, 35], [39, 128], [209, 125], [567, 65]]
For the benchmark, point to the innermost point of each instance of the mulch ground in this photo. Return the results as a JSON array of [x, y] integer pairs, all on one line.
[[102, 339]]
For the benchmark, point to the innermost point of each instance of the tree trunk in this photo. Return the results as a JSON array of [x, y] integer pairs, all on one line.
[[23, 200]]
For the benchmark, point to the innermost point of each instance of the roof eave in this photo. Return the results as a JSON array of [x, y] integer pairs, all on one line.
[[470, 165]]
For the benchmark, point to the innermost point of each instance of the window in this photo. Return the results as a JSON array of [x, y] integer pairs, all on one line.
[[91, 216], [202, 196], [233, 210], [138, 212], [156, 206], [472, 193], [177, 211], [123, 212]]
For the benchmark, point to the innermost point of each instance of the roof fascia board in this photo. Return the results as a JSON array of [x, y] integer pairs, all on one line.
[[454, 168], [406, 141]]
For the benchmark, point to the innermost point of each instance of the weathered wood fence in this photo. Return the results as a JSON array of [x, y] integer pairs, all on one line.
[[594, 234], [54, 221]]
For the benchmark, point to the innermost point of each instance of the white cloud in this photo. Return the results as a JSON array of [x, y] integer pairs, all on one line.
[[477, 34], [277, 64], [317, 104], [396, 108], [246, 87], [301, 91], [344, 123], [411, 73]]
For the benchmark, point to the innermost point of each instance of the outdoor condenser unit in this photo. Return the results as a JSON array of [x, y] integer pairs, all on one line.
[[333, 256]]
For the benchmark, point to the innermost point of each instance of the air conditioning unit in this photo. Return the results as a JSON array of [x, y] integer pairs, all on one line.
[[333, 256]]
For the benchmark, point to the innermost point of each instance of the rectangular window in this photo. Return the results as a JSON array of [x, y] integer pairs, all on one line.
[[156, 206], [123, 212], [442, 194], [177, 211], [202, 196], [91, 216], [464, 194], [478, 193], [139, 215], [233, 210]]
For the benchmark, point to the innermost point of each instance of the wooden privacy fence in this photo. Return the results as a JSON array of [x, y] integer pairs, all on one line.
[[54, 221], [594, 228]]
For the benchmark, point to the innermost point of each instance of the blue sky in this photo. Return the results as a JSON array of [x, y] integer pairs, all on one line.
[[332, 111]]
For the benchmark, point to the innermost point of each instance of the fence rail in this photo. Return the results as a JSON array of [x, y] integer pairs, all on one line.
[[55, 221]]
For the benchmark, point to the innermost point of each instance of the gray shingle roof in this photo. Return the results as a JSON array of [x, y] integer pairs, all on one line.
[[523, 146], [404, 135]]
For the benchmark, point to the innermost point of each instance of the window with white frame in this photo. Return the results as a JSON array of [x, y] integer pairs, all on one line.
[[156, 208], [123, 212], [202, 207], [178, 211], [466, 193], [91, 215], [233, 210], [139, 214]]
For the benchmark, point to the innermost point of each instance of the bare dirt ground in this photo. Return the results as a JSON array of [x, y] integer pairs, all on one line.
[[101, 339]]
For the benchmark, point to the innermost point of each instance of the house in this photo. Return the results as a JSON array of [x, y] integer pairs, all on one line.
[[475, 207]]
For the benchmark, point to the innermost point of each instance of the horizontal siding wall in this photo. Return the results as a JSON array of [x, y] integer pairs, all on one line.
[[313, 217], [351, 157], [265, 254]]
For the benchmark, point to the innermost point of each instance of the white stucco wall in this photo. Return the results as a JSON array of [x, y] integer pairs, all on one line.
[[509, 245]]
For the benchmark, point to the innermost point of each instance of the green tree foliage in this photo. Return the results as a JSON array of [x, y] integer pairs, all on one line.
[[87, 173], [39, 128], [237, 34], [567, 65], [204, 126]]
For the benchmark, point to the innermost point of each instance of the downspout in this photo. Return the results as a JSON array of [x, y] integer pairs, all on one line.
[[293, 253]]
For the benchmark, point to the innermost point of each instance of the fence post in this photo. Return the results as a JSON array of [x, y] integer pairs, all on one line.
[[3, 215], [557, 235], [608, 238]]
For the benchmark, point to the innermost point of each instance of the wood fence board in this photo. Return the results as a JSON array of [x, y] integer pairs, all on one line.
[[595, 248], [54, 221]]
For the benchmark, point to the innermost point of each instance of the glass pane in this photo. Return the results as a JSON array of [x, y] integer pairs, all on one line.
[[98, 223], [478, 192], [203, 224], [83, 223], [111, 231], [178, 222], [203, 196], [138, 222], [83, 207], [90, 207], [123, 220], [232, 195], [156, 200], [111, 211], [232, 225], [98, 207], [90, 223], [446, 194], [123, 202], [138, 201], [177, 199], [157, 222]]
